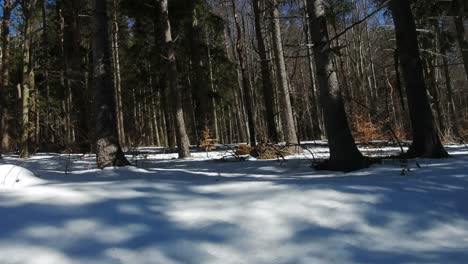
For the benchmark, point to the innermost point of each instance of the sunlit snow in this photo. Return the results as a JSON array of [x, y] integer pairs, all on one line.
[[61, 209]]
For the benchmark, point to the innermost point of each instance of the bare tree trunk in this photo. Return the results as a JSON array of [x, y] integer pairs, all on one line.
[[200, 86], [108, 149], [245, 81], [462, 41], [344, 155], [426, 141], [214, 113], [78, 96], [45, 46], [8, 6], [287, 118], [267, 84], [174, 89], [117, 77], [27, 78], [317, 123], [451, 104], [169, 124]]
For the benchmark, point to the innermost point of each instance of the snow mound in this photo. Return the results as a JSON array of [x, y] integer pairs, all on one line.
[[16, 176]]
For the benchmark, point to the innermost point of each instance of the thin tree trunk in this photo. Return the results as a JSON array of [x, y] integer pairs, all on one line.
[[316, 111], [118, 82], [27, 78], [426, 141], [287, 118], [45, 47], [267, 84], [451, 104], [462, 41], [8, 6], [174, 88], [214, 113], [108, 149], [77, 97], [245, 81]]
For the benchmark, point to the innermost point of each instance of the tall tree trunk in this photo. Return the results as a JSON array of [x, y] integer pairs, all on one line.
[[426, 141], [267, 84], [8, 6], [45, 48], [169, 135], [451, 104], [65, 90], [315, 109], [169, 124], [245, 81], [108, 150], [200, 86], [117, 76], [174, 88], [214, 112], [287, 118], [462, 41], [344, 155], [27, 78], [77, 94]]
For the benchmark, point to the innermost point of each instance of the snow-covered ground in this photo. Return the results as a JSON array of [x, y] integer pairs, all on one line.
[[60, 209]]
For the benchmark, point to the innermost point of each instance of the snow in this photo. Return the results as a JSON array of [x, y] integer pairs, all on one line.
[[13, 176], [64, 210]]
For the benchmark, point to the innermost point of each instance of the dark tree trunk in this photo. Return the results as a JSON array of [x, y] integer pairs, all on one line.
[[200, 85], [315, 109], [462, 41], [244, 82], [45, 49], [27, 77], [284, 99], [116, 71], [174, 89], [74, 71], [8, 6], [426, 141], [108, 150], [344, 155], [267, 84]]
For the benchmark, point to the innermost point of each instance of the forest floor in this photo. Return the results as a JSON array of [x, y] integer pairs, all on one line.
[[60, 209]]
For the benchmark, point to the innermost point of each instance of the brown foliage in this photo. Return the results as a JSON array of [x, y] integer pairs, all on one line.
[[263, 151], [365, 131], [206, 143], [243, 150]]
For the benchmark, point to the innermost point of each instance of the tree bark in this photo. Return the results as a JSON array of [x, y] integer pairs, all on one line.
[[267, 84], [462, 41], [27, 77], [172, 75], [200, 86], [426, 141], [315, 109], [108, 150], [77, 94], [287, 118], [117, 76], [244, 81], [344, 155], [45, 46], [8, 6]]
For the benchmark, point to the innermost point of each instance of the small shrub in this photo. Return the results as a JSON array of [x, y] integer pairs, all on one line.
[[365, 131], [206, 143]]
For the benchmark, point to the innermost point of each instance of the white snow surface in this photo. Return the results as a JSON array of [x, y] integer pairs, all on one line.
[[12, 176], [60, 209]]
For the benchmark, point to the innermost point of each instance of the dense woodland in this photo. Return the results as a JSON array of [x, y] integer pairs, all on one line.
[[107, 76]]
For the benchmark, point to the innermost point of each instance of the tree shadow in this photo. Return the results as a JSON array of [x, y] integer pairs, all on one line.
[[245, 212]]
